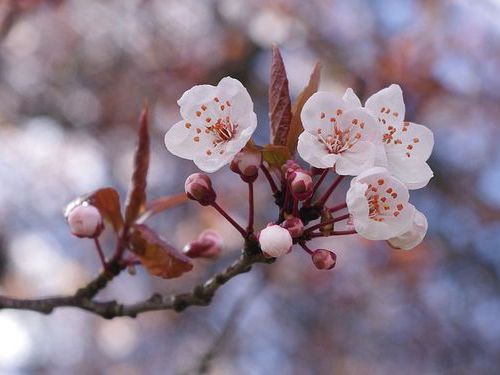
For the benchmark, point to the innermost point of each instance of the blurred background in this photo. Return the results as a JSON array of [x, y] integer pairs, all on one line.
[[73, 77]]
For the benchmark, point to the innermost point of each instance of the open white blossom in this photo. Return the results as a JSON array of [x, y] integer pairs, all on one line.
[[378, 204], [414, 236], [338, 133], [407, 145], [217, 123]]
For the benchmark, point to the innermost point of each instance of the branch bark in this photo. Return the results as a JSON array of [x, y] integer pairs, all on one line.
[[201, 295]]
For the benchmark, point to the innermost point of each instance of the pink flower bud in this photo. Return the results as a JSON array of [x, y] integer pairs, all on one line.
[[198, 187], [85, 221], [324, 259], [295, 226], [208, 245], [246, 164], [289, 167], [275, 241], [301, 184]]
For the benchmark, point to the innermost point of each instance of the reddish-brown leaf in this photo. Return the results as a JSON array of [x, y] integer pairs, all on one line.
[[296, 126], [162, 204], [280, 105], [136, 199], [107, 201], [275, 155], [158, 257]]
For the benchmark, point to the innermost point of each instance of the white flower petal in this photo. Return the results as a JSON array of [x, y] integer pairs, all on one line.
[[356, 160], [412, 237], [411, 141], [388, 107], [180, 140], [361, 121], [351, 99], [356, 200], [240, 103], [314, 152], [414, 174], [321, 111]]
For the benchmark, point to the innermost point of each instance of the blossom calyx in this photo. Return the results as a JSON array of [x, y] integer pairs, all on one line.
[[199, 188], [85, 221], [324, 259], [246, 163], [275, 241]]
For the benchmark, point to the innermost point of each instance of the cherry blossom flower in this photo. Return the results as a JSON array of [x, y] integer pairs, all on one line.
[[407, 145], [338, 133], [413, 236], [217, 123], [275, 241], [379, 205]]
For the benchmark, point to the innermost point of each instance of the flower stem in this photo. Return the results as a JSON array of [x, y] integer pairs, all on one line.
[[328, 222], [100, 252], [330, 190], [230, 219], [251, 209], [334, 233], [305, 247], [338, 207], [264, 169], [295, 210], [317, 185]]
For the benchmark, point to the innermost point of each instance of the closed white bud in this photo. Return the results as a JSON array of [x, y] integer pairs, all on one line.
[[85, 221], [275, 241]]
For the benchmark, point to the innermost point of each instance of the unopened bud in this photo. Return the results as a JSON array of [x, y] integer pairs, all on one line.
[[85, 221], [208, 245], [275, 241], [289, 167], [324, 259], [295, 226], [246, 164], [301, 184], [198, 187]]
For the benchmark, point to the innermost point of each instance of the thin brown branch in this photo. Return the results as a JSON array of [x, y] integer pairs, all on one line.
[[201, 295]]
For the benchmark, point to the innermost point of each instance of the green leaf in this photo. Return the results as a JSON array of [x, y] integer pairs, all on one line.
[[275, 155]]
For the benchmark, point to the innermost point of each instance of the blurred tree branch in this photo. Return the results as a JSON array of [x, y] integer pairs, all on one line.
[[201, 295]]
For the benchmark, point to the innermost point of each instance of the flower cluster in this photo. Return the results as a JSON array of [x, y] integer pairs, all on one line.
[[386, 155]]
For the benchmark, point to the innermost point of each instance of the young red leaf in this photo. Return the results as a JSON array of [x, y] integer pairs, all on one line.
[[280, 105], [136, 199], [107, 201], [162, 204], [158, 257], [296, 126], [275, 155]]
